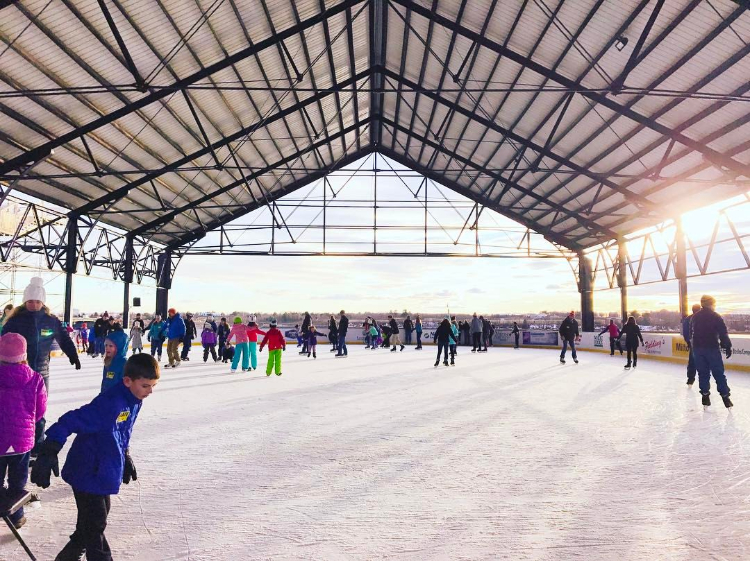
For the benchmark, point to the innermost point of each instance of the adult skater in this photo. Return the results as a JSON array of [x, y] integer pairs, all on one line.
[[454, 330], [418, 331], [395, 339], [691, 370], [306, 323], [569, 332], [444, 339], [343, 327], [708, 335], [190, 333], [408, 328], [632, 336], [485, 334], [175, 330], [516, 334], [101, 326], [614, 334], [476, 333], [34, 322], [222, 333], [333, 333]]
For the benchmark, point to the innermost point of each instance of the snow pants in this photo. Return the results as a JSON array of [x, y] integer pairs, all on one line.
[[17, 468], [707, 362], [274, 361], [253, 348], [186, 346], [90, 525], [241, 350], [206, 350]]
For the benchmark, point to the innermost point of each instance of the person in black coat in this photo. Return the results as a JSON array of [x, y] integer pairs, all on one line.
[[444, 339], [333, 333], [516, 333], [222, 333], [306, 323], [100, 333], [569, 333], [708, 335], [408, 328], [632, 335], [190, 333], [343, 327]]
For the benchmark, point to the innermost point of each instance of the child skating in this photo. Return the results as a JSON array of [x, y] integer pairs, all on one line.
[[239, 334], [98, 460], [208, 340], [252, 342], [312, 342], [276, 344], [23, 402], [115, 356]]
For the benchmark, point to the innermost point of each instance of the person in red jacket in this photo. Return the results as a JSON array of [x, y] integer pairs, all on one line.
[[614, 333], [276, 344]]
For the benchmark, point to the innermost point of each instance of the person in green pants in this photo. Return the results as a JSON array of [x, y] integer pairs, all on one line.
[[276, 344]]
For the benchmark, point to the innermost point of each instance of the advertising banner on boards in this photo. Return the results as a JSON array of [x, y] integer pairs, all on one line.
[[545, 338]]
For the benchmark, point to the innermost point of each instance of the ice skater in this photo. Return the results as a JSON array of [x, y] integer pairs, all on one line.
[[252, 342], [614, 334], [444, 339], [691, 370], [276, 344], [569, 333], [312, 342], [476, 333], [418, 331], [136, 335], [516, 333], [708, 334], [239, 334], [115, 357], [333, 333], [632, 335], [208, 340], [98, 460], [23, 402], [395, 338]]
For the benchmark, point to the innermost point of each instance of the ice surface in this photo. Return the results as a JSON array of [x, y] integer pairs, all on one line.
[[508, 455]]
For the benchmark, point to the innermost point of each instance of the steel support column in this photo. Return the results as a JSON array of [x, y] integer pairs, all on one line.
[[163, 282], [71, 266], [622, 277], [680, 267], [586, 288], [128, 257]]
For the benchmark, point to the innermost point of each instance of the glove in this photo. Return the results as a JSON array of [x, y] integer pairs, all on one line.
[[46, 464], [283, 349], [260, 349], [129, 471], [75, 362], [728, 351]]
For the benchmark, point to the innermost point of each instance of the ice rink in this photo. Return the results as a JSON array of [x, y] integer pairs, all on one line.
[[508, 455]]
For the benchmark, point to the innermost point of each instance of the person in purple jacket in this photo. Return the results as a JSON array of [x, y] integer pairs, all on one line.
[[23, 401]]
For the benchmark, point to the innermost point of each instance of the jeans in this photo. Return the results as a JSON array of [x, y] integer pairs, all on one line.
[[99, 346], [419, 339], [707, 362], [442, 348], [156, 347], [691, 370], [516, 336], [407, 337], [572, 344], [90, 525], [612, 345], [17, 468], [368, 339], [477, 341], [342, 345], [634, 352]]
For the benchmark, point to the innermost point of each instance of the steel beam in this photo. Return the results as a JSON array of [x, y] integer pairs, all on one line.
[[35, 153], [634, 59], [129, 64], [71, 266], [586, 288], [712, 155], [378, 34], [680, 267], [622, 277]]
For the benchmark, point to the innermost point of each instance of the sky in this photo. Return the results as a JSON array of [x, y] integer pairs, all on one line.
[[263, 283]]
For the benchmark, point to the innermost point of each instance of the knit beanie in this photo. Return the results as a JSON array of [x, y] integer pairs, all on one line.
[[35, 290], [273, 323], [171, 311], [237, 319], [12, 347]]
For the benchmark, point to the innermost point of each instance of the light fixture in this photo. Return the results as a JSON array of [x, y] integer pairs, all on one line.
[[621, 42]]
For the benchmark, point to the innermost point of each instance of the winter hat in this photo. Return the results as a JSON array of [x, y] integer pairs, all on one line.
[[708, 301], [171, 311], [189, 315], [237, 319], [273, 322], [35, 290], [12, 347]]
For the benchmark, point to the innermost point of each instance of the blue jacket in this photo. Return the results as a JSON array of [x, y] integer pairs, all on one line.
[[156, 331], [96, 459], [686, 328], [40, 329], [175, 327], [112, 375], [708, 331]]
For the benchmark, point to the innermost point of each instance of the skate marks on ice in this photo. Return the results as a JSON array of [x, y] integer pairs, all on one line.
[[504, 456]]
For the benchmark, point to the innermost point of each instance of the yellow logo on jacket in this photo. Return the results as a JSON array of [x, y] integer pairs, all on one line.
[[110, 375], [123, 416]]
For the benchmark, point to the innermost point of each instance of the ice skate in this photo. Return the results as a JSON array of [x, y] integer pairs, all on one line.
[[71, 552], [627, 366], [268, 373], [21, 521], [562, 360], [393, 350], [706, 400], [167, 365], [453, 362], [308, 355], [575, 360], [725, 398], [402, 347], [278, 373], [315, 355], [245, 369], [437, 363], [445, 363], [690, 382]]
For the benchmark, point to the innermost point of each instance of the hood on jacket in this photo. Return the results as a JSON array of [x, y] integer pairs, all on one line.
[[120, 339], [15, 375]]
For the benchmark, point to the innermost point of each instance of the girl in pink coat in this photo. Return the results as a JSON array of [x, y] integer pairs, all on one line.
[[23, 401], [241, 349]]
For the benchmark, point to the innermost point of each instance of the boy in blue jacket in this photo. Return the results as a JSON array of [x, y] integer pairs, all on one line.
[[98, 459], [115, 357]]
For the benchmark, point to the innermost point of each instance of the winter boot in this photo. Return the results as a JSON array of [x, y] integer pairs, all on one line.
[[71, 552], [706, 400], [21, 521], [278, 373], [725, 398]]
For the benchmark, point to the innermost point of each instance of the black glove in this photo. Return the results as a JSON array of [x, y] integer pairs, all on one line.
[[728, 351], [75, 362], [46, 464], [129, 472]]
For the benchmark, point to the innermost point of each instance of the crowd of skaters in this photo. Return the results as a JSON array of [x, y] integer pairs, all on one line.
[[104, 425]]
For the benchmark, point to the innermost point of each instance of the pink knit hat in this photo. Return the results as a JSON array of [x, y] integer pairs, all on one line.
[[12, 348]]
